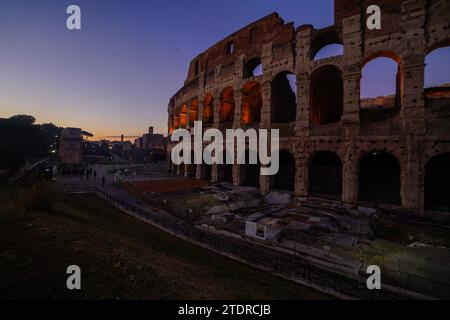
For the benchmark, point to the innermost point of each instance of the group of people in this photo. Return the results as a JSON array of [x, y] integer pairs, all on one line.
[[83, 172]]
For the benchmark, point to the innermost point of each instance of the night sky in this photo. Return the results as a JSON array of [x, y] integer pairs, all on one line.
[[118, 73]]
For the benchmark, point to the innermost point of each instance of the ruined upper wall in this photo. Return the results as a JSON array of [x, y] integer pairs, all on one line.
[[390, 14], [247, 41], [410, 29]]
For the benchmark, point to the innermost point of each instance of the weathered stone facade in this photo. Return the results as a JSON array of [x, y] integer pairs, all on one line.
[[326, 130]]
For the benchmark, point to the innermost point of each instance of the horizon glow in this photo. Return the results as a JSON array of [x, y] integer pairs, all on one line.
[[117, 74]]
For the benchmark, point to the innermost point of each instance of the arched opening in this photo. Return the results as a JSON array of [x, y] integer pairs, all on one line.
[[253, 68], [327, 94], [251, 103], [437, 177], [381, 88], [226, 111], [193, 112], [326, 44], [437, 77], [284, 98], [325, 176], [183, 116], [285, 178], [208, 110], [250, 172], [379, 178], [331, 50]]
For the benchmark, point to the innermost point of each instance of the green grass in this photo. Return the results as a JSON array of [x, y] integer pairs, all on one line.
[[120, 257]]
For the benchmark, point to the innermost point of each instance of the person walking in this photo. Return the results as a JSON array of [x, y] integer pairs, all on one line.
[[103, 181], [95, 175]]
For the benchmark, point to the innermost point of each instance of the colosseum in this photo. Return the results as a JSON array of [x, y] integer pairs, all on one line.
[[334, 145]]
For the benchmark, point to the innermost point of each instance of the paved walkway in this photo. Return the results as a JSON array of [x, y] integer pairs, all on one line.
[[83, 184]]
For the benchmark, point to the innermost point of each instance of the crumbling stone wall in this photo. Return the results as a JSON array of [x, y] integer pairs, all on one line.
[[418, 132]]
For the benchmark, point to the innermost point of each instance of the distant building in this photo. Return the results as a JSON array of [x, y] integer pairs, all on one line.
[[150, 141], [121, 145], [71, 146]]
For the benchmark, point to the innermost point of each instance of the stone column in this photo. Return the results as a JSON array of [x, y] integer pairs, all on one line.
[[350, 117], [217, 111], [410, 177], [413, 19], [412, 100], [188, 115], [301, 174], [237, 108], [302, 67], [265, 110], [303, 93], [350, 179], [411, 80], [200, 108]]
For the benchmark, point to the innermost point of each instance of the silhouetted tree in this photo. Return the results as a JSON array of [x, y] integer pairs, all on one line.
[[21, 119]]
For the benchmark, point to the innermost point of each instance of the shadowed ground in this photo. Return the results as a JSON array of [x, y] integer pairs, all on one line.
[[121, 258]]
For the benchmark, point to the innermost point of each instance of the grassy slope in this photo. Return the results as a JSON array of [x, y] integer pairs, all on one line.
[[120, 257]]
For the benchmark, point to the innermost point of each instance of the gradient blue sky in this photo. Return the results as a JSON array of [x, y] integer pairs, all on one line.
[[117, 74]]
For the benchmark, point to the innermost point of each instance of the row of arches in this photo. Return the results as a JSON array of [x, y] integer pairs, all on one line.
[[381, 89], [283, 106], [378, 177]]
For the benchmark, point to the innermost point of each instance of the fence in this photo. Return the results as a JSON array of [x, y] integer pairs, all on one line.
[[276, 262]]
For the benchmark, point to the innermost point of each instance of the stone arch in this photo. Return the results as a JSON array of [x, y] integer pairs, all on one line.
[[208, 110], [327, 95], [285, 178], [379, 178], [283, 98], [226, 109], [437, 45], [323, 39], [325, 175], [437, 176], [381, 105], [251, 103], [330, 50], [252, 68]]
